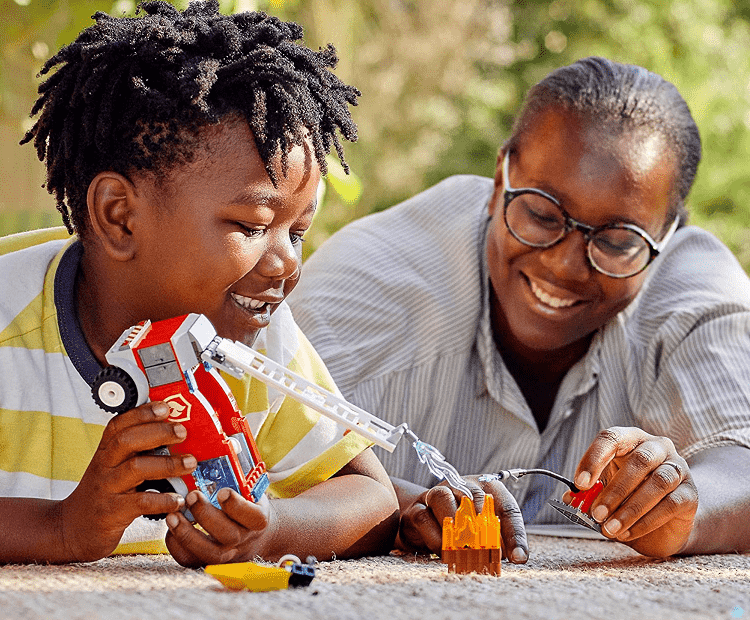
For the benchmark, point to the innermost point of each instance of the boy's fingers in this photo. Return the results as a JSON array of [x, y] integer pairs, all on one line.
[[190, 547], [236, 523], [181, 555], [252, 516], [148, 503], [678, 507], [148, 412], [640, 478], [661, 496], [144, 467], [118, 446], [214, 521]]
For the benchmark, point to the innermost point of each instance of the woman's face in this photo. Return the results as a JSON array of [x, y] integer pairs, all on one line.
[[552, 300]]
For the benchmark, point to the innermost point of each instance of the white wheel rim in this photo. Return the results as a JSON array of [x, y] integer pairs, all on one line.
[[111, 394]]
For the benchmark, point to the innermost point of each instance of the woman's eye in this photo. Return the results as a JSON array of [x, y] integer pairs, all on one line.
[[545, 219]]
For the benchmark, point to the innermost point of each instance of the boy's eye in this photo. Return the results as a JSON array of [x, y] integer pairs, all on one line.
[[297, 238], [250, 232]]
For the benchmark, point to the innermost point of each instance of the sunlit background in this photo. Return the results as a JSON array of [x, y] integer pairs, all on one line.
[[441, 82]]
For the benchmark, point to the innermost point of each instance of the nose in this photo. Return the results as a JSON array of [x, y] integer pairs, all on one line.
[[281, 260], [568, 259]]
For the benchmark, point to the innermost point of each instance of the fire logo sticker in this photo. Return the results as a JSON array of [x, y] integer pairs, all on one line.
[[179, 408]]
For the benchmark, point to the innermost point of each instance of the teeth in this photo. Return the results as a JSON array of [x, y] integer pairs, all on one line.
[[247, 302], [547, 299]]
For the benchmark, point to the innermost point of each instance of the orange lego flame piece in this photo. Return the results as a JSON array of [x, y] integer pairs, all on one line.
[[471, 542]]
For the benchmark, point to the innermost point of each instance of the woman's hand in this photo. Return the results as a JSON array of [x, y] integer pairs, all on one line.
[[421, 527], [649, 500]]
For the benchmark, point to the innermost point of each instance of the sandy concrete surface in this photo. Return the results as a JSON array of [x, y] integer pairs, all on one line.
[[565, 579]]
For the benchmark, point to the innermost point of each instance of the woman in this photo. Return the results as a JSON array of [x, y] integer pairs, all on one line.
[[554, 318]]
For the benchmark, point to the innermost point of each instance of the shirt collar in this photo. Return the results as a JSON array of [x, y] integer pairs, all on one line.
[[496, 380], [74, 343]]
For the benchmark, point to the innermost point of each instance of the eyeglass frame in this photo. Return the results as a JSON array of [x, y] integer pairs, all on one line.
[[571, 224]]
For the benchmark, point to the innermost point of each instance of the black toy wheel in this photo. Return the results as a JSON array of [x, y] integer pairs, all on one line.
[[156, 486], [114, 390]]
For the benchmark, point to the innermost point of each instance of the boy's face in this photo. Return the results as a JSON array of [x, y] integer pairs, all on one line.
[[219, 239]]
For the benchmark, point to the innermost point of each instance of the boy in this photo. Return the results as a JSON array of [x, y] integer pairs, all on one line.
[[185, 151]]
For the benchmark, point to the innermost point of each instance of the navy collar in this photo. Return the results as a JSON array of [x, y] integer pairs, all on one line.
[[73, 341]]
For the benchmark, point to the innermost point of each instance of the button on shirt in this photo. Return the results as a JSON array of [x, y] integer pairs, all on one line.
[[397, 304]]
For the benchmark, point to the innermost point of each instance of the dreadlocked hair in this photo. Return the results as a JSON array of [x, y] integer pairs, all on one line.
[[132, 94]]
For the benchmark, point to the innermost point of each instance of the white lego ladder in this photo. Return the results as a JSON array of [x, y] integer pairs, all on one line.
[[236, 359]]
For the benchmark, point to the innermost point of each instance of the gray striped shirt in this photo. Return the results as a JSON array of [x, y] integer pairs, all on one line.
[[397, 304]]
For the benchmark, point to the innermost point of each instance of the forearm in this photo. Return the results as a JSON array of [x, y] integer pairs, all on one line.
[[722, 476], [31, 532], [346, 516]]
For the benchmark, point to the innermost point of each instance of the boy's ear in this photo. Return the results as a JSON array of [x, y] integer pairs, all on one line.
[[111, 201]]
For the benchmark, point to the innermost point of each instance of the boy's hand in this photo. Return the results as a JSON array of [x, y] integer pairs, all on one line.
[[94, 516], [650, 500], [236, 533]]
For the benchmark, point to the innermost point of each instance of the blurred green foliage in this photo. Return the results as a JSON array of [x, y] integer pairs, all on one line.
[[442, 80]]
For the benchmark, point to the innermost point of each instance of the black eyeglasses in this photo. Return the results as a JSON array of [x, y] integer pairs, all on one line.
[[537, 219]]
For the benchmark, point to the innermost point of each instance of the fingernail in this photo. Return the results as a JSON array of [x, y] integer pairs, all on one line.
[[223, 495], [518, 556], [172, 521], [180, 431], [612, 526], [160, 410], [583, 479], [189, 461], [191, 498], [599, 513]]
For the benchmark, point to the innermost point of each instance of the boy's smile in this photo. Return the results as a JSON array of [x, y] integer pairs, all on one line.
[[215, 237], [218, 238]]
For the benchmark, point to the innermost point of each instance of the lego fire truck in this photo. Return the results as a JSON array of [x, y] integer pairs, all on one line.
[[177, 361], [161, 361]]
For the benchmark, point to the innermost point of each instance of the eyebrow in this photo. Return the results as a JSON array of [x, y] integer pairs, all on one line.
[[264, 198], [559, 202]]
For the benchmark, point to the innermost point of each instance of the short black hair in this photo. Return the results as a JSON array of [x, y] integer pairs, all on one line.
[[132, 94], [623, 98]]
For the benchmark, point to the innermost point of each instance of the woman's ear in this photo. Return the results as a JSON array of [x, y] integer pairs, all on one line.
[[111, 202], [499, 180], [497, 195]]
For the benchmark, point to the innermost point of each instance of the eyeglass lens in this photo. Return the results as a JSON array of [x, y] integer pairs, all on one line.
[[536, 221]]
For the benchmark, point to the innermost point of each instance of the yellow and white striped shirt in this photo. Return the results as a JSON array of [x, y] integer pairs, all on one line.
[[50, 425]]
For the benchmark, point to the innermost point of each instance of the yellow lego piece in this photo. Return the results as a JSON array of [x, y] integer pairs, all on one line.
[[250, 576]]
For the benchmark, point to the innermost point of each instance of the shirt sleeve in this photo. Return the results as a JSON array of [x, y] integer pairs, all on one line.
[[693, 329], [299, 446]]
